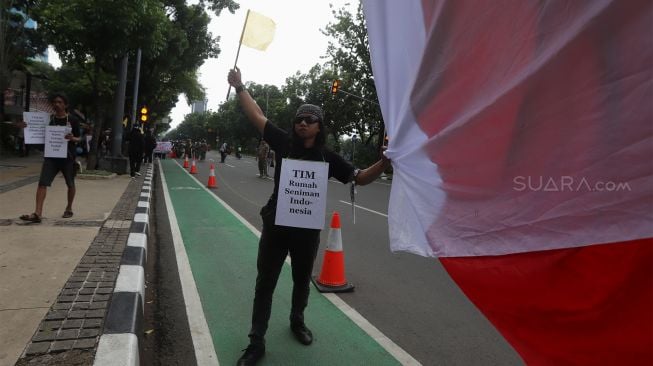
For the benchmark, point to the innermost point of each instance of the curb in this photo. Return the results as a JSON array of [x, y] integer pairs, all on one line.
[[119, 342], [95, 176]]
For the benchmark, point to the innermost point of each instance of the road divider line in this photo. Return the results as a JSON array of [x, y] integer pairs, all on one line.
[[199, 329], [365, 208], [386, 343], [397, 352]]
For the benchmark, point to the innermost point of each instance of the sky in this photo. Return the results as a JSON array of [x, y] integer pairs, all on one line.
[[298, 45]]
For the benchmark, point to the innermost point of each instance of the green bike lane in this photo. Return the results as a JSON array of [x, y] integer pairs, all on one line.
[[222, 251]]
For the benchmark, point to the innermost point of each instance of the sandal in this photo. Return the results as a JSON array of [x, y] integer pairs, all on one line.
[[33, 218], [67, 214]]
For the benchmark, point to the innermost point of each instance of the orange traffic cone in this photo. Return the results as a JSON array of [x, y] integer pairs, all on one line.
[[186, 162], [212, 183], [332, 277], [193, 168]]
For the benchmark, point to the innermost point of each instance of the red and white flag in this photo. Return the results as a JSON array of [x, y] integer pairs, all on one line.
[[521, 134]]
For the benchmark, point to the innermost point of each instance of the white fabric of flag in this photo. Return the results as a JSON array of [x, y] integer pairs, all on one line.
[[259, 31], [515, 128]]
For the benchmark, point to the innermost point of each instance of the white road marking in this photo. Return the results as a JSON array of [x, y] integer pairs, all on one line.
[[365, 208], [229, 165], [186, 188], [199, 329], [397, 352]]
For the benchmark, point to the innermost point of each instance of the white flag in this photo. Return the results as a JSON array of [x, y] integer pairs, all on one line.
[[259, 31]]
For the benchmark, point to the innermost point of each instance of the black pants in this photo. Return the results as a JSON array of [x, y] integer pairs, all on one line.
[[135, 163], [275, 244], [147, 157]]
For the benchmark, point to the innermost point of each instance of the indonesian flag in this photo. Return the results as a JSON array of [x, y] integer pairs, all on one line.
[[521, 134]]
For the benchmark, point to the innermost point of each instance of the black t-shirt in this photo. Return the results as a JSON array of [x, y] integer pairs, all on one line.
[[74, 122], [279, 141]]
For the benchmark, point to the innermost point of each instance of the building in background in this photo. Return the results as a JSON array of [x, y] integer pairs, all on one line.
[[198, 106]]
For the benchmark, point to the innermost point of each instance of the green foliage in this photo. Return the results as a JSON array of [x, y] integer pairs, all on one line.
[[174, 70], [101, 30], [218, 5], [350, 58], [195, 127], [18, 41]]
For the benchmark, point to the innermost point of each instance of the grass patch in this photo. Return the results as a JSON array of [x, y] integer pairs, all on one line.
[[102, 173]]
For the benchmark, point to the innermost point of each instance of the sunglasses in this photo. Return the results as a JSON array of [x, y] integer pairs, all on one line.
[[310, 119]]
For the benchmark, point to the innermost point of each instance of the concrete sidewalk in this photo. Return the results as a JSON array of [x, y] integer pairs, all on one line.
[[47, 308]]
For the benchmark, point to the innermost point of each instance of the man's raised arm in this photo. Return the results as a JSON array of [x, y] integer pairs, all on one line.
[[251, 109]]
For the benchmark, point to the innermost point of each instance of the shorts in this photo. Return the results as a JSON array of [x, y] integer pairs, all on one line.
[[52, 166]]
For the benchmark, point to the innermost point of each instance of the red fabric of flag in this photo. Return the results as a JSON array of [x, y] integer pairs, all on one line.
[[585, 306]]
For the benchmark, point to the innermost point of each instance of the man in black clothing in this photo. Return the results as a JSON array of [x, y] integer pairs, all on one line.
[[135, 151], [150, 144], [305, 142], [52, 166]]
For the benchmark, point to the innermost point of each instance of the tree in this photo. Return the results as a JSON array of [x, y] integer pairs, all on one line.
[[350, 58], [173, 71], [94, 35], [19, 41], [193, 127]]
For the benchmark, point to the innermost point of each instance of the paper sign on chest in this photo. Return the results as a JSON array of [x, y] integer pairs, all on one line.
[[302, 194], [56, 145]]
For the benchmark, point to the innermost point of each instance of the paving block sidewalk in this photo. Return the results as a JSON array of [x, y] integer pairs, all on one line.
[[71, 328], [75, 321]]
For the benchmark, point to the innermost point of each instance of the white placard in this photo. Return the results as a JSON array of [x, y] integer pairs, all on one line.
[[301, 200], [56, 145], [163, 147], [35, 130]]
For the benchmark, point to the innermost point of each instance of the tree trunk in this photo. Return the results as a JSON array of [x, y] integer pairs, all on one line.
[[92, 159]]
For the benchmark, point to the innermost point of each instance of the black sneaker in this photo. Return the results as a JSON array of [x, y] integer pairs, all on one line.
[[253, 353], [302, 333]]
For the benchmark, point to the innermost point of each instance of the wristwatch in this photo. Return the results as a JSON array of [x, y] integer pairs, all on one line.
[[356, 171], [240, 88]]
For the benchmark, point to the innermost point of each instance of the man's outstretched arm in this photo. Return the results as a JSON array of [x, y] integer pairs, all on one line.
[[251, 109], [367, 176]]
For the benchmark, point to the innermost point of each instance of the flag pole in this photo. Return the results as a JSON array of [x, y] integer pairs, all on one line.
[[242, 33]]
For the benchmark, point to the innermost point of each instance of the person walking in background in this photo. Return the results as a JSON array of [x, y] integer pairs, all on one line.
[[306, 141], [204, 147], [262, 156], [223, 152], [190, 149], [149, 145], [52, 166], [136, 143]]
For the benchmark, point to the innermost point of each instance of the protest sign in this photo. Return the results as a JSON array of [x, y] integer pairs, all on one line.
[[163, 147], [35, 130], [56, 145], [301, 200]]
